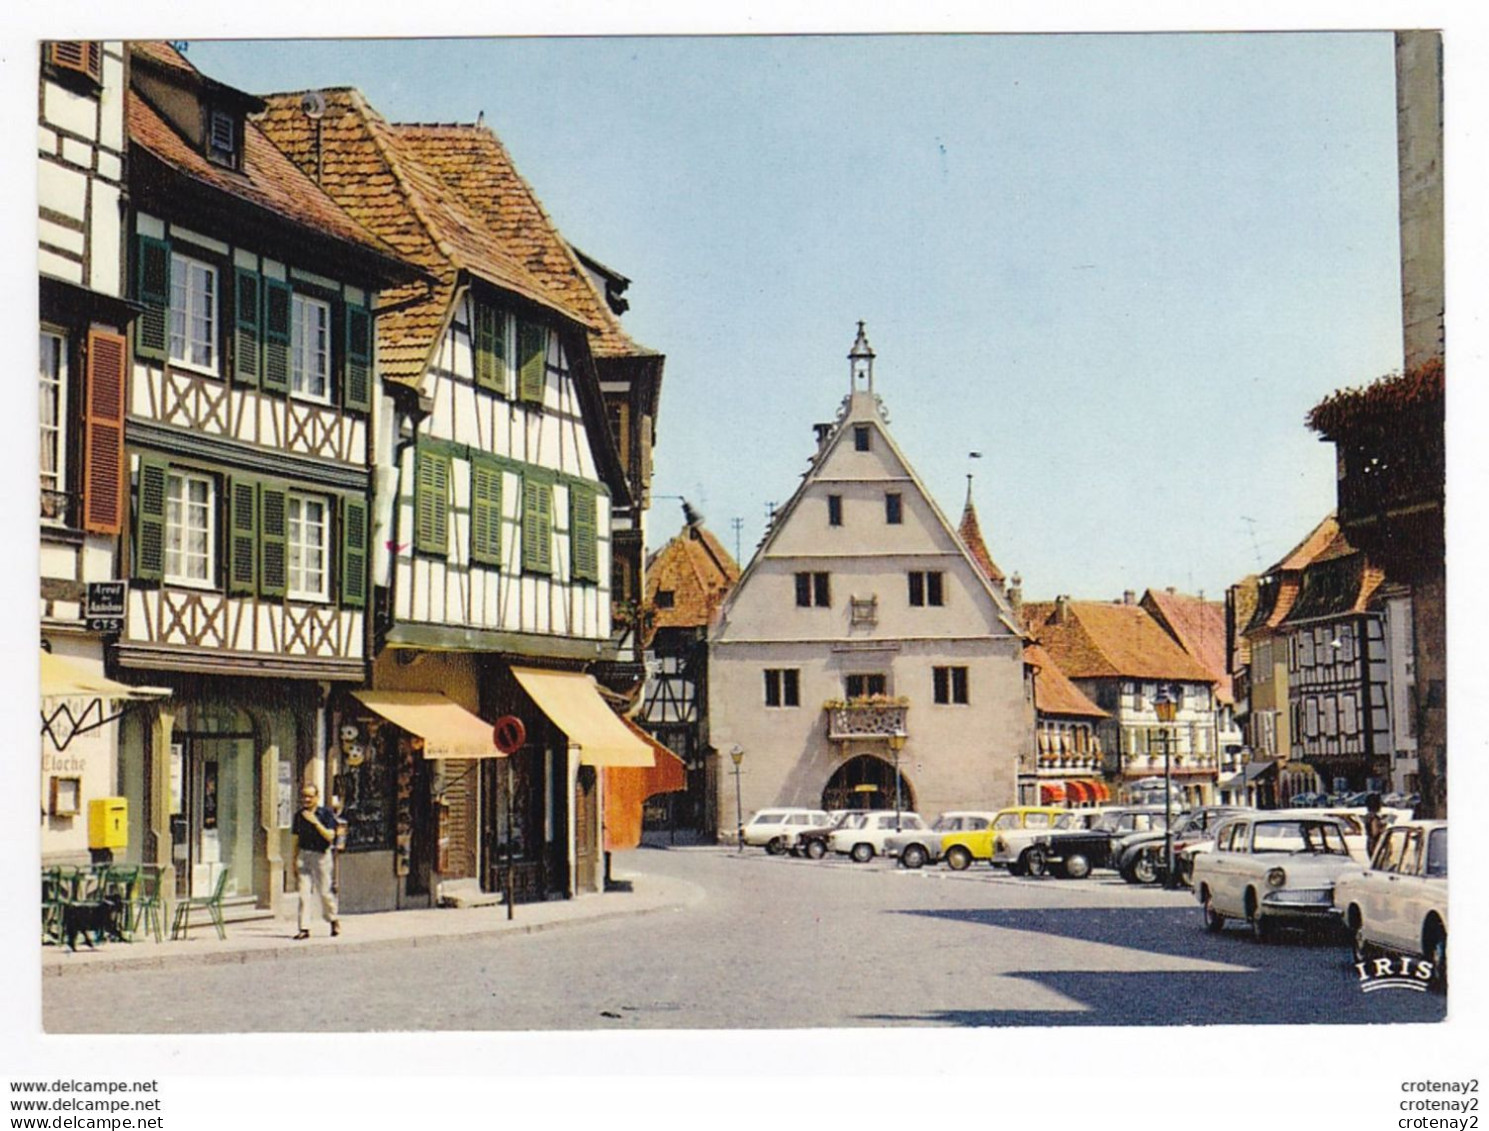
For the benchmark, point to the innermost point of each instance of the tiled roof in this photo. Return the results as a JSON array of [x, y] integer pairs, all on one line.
[[266, 179], [1098, 640], [1339, 582], [697, 571], [472, 162], [1243, 598], [1199, 628], [971, 533], [381, 181], [1279, 586], [1054, 694]]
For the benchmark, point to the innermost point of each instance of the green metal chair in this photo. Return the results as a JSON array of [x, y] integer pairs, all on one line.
[[53, 899], [181, 924], [146, 908]]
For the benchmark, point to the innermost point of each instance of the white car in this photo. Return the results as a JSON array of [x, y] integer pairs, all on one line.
[[1353, 821], [916, 848], [775, 829], [1400, 904], [866, 839], [1272, 868]]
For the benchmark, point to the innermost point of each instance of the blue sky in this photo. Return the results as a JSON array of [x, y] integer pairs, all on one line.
[[1122, 267]]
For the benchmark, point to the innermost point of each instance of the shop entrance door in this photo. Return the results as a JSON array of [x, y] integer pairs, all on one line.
[[214, 808], [586, 828]]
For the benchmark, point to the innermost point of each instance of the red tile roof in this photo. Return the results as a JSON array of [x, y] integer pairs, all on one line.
[[971, 533], [697, 571], [1054, 694], [384, 183], [1199, 628], [267, 178], [472, 162], [1279, 586], [1094, 640]]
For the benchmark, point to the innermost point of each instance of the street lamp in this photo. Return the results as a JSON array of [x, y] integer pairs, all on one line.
[[736, 755], [897, 744], [1164, 706]]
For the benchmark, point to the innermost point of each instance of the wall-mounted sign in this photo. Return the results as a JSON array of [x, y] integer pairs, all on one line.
[[284, 808], [103, 608]]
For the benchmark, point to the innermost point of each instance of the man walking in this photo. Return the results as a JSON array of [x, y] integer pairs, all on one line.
[[315, 839]]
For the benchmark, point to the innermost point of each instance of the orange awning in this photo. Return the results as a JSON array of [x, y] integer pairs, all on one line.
[[1077, 792], [1051, 793], [628, 787]]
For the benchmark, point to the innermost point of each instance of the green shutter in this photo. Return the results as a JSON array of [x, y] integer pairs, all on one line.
[[532, 361], [489, 348], [242, 573], [149, 526], [432, 503], [153, 290], [273, 541], [247, 335], [276, 335], [356, 371], [584, 557], [353, 552], [485, 512], [537, 524]]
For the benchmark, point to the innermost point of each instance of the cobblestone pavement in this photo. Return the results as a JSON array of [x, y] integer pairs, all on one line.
[[765, 942]]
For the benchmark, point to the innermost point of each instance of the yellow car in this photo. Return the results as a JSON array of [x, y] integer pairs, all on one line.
[[959, 849]]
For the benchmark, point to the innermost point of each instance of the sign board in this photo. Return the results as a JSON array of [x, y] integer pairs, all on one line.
[[509, 734], [104, 606], [284, 808]]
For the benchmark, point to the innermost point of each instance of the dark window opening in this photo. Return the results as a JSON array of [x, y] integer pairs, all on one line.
[[893, 510], [860, 437], [860, 686], [782, 687], [949, 685], [834, 510]]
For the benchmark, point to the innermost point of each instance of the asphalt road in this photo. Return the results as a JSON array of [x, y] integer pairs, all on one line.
[[782, 943]]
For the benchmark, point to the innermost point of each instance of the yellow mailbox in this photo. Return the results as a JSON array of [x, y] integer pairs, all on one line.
[[108, 822]]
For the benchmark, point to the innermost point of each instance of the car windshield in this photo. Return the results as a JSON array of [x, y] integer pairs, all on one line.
[[1299, 836], [849, 820], [768, 818], [945, 824], [1437, 852], [1070, 821]]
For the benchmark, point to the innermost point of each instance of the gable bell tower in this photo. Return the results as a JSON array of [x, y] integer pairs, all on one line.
[[861, 364]]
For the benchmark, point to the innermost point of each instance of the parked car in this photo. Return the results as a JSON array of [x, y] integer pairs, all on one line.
[[959, 849], [916, 848], [1353, 821], [1308, 800], [1011, 845], [862, 840], [775, 830], [1272, 868], [1072, 854], [1139, 858], [811, 842], [1400, 903]]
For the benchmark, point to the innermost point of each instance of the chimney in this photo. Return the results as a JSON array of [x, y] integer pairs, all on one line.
[[1171, 591], [1128, 597], [1016, 596], [823, 431], [1062, 609]]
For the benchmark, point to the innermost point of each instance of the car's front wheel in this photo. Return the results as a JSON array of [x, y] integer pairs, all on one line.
[[1261, 926], [1214, 921], [1077, 866], [1035, 863], [861, 853], [1142, 870], [958, 859], [914, 856], [1437, 954], [815, 849]]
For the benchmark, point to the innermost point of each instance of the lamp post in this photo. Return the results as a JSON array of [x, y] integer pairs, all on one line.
[[1164, 706], [897, 744], [736, 755]]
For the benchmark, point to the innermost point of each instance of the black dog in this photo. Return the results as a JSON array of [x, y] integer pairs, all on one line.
[[93, 920]]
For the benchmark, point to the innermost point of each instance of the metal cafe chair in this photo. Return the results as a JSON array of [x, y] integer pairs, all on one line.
[[146, 908], [181, 924]]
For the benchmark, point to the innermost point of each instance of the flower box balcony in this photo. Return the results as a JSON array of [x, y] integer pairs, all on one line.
[[876, 716]]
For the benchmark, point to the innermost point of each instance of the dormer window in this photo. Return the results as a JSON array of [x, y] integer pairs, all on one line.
[[222, 137], [77, 57]]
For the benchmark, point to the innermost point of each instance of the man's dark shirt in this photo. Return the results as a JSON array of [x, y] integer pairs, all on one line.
[[308, 836]]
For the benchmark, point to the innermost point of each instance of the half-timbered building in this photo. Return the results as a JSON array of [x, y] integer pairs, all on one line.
[[249, 429], [864, 657], [686, 581], [82, 376], [499, 487]]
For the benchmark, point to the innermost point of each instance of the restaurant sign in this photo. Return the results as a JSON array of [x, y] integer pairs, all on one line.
[[104, 609]]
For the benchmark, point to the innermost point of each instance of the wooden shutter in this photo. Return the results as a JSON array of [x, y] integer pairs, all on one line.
[[485, 512], [584, 556], [276, 335], [149, 521], [247, 326], [273, 541], [432, 503], [103, 439], [353, 552], [532, 360], [83, 56], [242, 550], [537, 524], [356, 368], [152, 265], [489, 346]]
